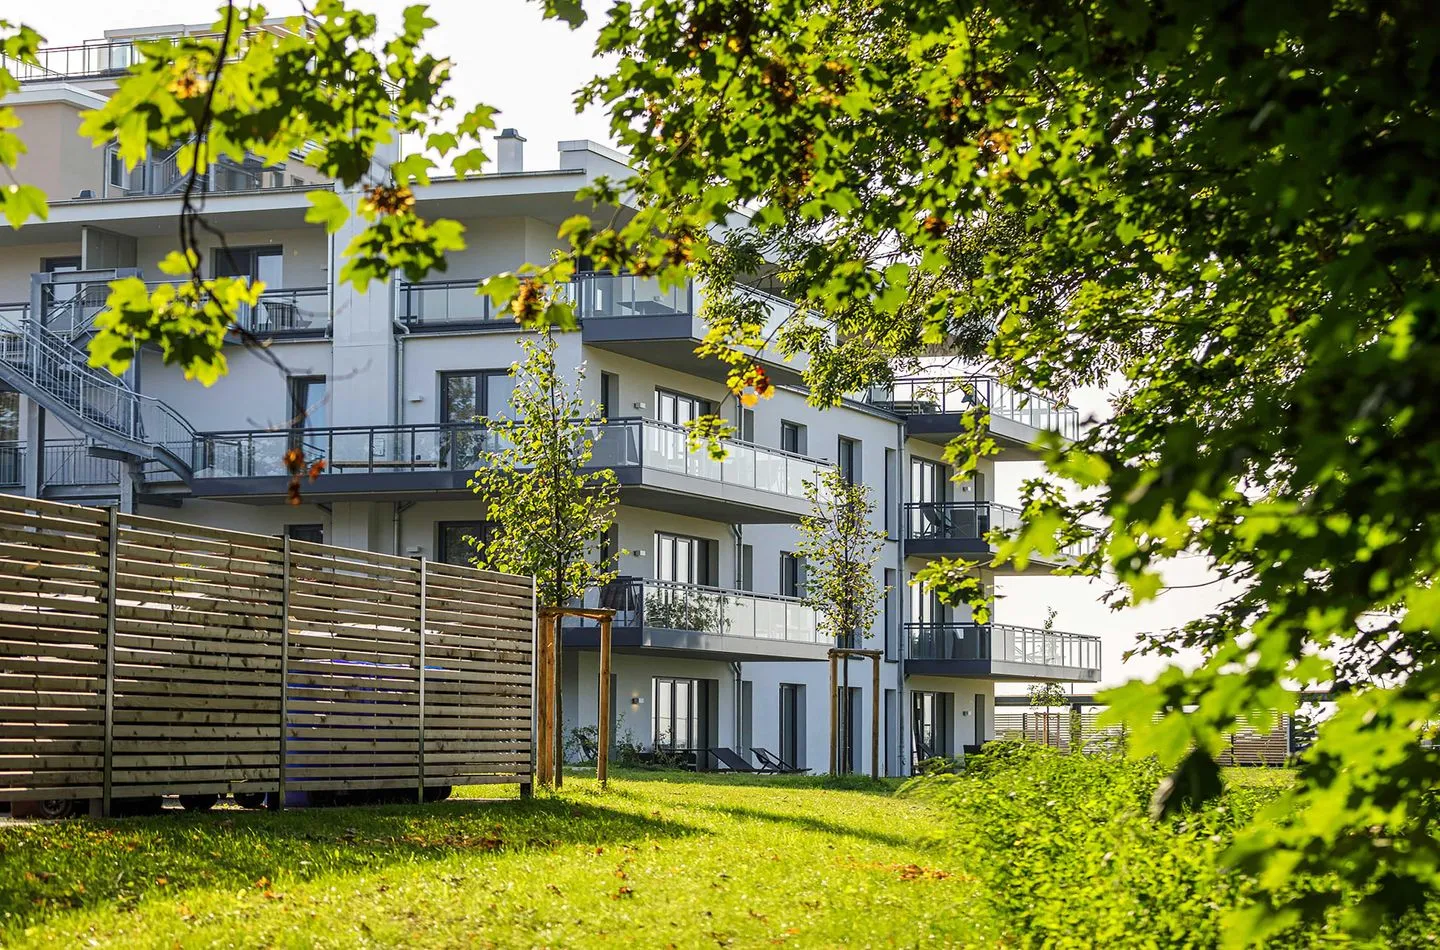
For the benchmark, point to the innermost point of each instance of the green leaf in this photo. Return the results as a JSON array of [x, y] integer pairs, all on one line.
[[327, 208]]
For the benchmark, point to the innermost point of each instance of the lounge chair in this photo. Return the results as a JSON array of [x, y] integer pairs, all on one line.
[[732, 760], [773, 764]]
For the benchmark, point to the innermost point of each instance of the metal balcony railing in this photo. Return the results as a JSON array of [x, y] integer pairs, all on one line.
[[923, 396], [90, 61], [624, 443], [1003, 643], [52, 370], [971, 520], [694, 608], [12, 464]]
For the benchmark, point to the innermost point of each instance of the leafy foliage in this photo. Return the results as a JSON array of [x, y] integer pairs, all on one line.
[[841, 549], [1226, 212], [552, 508], [1070, 858]]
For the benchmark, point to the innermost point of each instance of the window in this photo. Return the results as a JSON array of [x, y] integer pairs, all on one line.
[[930, 726], [792, 437], [681, 560], [308, 405], [745, 425], [59, 265], [609, 396], [257, 263], [848, 460], [313, 533], [678, 409], [747, 567], [475, 394], [792, 724], [792, 575], [678, 713], [610, 544], [9, 417], [452, 546], [118, 176], [892, 615], [892, 490]]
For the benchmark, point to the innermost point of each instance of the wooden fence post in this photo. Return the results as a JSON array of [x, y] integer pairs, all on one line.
[[111, 577], [284, 669], [558, 733], [834, 716], [420, 750], [602, 737], [545, 697], [875, 718]]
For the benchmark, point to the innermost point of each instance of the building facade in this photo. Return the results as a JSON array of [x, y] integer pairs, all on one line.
[[714, 644]]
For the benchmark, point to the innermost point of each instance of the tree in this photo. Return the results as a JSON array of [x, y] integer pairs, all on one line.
[[1225, 211], [551, 507], [841, 550]]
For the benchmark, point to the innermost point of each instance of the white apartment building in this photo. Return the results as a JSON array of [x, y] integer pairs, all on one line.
[[714, 647]]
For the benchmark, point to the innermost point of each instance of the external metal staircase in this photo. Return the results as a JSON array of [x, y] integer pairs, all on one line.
[[48, 366]]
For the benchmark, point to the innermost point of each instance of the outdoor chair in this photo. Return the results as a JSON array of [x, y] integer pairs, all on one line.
[[769, 762], [732, 760], [940, 525]]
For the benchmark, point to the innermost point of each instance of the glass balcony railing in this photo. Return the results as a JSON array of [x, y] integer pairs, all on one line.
[[624, 443], [625, 295], [971, 521], [662, 447], [693, 608], [1003, 643], [430, 303], [924, 396]]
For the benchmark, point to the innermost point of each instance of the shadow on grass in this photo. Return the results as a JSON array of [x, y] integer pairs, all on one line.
[[884, 787], [53, 867]]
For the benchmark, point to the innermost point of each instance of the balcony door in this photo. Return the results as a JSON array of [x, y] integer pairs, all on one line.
[[267, 265], [681, 713], [466, 398], [929, 726], [792, 724], [927, 488]]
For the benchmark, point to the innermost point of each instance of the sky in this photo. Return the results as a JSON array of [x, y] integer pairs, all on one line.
[[506, 55]]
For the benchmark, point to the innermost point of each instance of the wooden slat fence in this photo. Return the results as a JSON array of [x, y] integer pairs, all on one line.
[[140, 656]]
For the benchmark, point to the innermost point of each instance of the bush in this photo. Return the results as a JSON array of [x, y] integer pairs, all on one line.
[[1072, 859]]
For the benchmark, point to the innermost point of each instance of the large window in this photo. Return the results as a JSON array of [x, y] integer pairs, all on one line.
[[453, 548], [930, 725], [309, 408], [677, 408], [792, 724], [927, 484], [681, 559], [257, 263], [314, 533], [679, 713], [475, 394]]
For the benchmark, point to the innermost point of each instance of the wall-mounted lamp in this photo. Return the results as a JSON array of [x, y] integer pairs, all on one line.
[[634, 700]]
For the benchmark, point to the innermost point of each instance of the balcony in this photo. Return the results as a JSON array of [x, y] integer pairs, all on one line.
[[635, 317], [1000, 652], [933, 408], [652, 461], [448, 305], [960, 529], [12, 465], [688, 619]]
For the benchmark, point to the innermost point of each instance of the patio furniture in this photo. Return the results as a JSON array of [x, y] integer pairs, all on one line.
[[773, 764], [732, 760]]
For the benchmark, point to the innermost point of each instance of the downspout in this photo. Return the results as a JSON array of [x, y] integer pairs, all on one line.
[[735, 668], [902, 645]]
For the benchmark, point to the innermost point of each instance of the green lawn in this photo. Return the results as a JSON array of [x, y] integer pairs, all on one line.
[[658, 860]]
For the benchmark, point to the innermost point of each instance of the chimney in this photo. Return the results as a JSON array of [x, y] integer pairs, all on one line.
[[510, 151]]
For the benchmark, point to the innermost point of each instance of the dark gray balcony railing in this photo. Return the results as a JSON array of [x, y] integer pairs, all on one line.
[[447, 302], [1002, 643], [624, 443], [12, 464], [281, 310], [971, 520], [922, 395], [694, 608], [68, 462]]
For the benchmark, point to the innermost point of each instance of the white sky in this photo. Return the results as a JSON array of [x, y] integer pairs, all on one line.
[[507, 56]]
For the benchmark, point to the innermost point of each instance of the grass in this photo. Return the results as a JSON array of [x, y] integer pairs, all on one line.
[[661, 859]]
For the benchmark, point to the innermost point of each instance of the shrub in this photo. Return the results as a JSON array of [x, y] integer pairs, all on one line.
[[1072, 858]]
